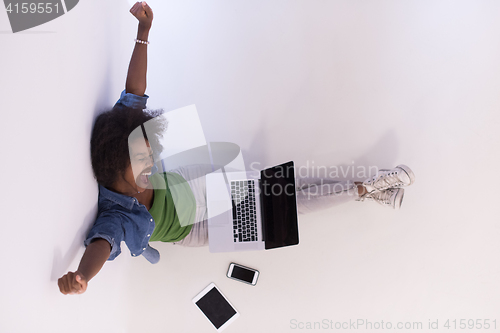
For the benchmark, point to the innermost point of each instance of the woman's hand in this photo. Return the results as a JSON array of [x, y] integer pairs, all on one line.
[[143, 13], [72, 283]]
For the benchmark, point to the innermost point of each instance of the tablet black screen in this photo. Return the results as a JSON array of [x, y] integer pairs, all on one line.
[[215, 307]]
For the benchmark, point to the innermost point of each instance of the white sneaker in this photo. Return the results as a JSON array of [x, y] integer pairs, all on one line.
[[392, 197], [398, 177]]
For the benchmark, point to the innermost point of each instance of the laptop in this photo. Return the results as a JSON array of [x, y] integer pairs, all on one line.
[[252, 211]]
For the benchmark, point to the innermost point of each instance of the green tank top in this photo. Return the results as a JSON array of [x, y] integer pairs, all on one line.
[[173, 209]]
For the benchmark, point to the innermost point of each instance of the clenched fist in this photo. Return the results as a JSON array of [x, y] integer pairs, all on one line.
[[72, 283], [143, 13]]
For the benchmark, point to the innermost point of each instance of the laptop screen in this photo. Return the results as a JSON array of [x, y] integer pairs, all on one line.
[[279, 206]]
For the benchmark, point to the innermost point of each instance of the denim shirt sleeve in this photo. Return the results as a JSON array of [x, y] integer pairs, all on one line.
[[109, 228], [132, 101]]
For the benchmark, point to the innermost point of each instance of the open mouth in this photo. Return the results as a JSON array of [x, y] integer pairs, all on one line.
[[144, 177]]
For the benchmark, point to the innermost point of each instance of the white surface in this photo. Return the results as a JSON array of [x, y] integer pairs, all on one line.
[[353, 83]]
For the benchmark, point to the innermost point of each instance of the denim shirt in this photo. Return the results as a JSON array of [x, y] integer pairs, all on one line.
[[123, 218]]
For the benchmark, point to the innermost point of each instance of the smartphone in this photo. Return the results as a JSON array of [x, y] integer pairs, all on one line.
[[243, 274]]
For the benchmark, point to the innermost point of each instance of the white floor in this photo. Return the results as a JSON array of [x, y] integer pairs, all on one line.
[[325, 83]]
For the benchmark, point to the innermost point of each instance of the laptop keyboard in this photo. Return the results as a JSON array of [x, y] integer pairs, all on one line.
[[244, 218]]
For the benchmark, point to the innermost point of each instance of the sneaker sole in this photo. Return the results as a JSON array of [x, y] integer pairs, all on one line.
[[408, 171], [399, 199]]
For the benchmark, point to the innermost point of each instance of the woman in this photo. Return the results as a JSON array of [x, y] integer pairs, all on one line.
[[131, 206]]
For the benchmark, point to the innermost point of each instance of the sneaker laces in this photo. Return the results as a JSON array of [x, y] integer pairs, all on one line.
[[383, 198], [386, 180]]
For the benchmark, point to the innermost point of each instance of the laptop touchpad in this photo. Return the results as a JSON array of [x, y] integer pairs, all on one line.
[[220, 212]]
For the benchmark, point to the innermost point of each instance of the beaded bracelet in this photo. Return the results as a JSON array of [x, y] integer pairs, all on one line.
[[141, 41]]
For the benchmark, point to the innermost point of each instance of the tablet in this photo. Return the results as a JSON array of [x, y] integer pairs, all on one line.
[[216, 307]]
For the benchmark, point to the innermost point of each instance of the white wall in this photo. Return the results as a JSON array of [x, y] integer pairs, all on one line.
[[346, 83]]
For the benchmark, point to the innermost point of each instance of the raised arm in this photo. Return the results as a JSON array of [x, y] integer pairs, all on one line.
[[99, 250], [92, 261], [136, 76]]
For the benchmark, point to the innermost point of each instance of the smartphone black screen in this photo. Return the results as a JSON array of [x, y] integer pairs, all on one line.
[[242, 274]]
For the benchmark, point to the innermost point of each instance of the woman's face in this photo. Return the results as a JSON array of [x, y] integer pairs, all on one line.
[[135, 178]]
